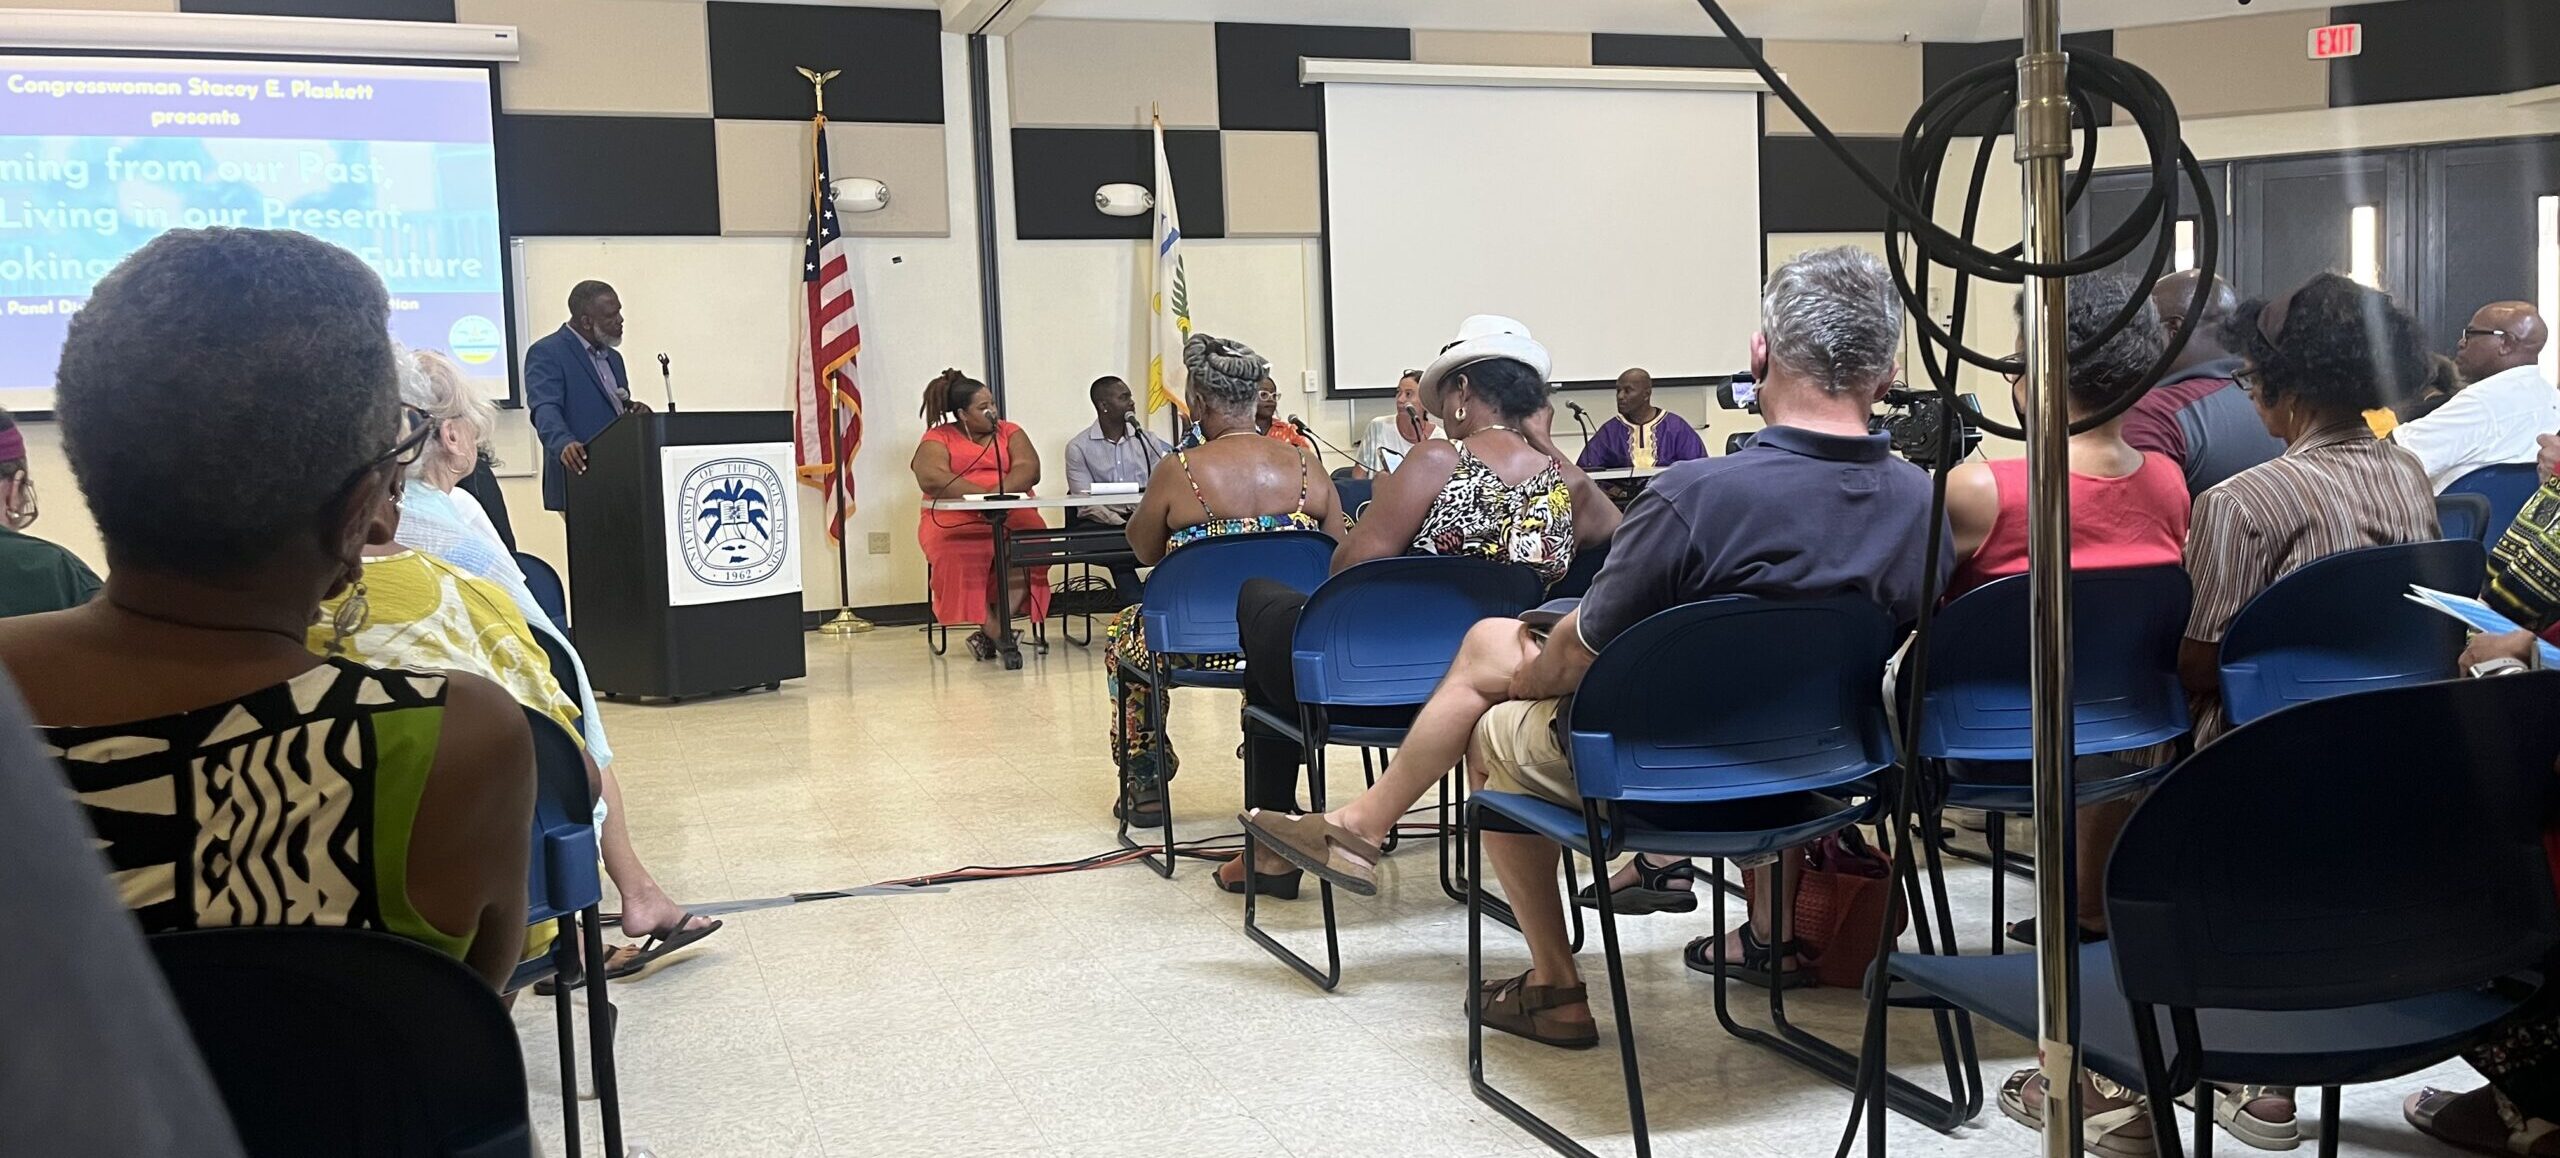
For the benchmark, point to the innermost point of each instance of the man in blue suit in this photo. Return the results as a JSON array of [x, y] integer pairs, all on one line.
[[575, 385]]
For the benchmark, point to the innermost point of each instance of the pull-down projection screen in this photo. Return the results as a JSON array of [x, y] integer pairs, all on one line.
[[99, 154], [1621, 224]]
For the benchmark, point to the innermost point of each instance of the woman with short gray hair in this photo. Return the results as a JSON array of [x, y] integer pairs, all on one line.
[[1235, 482]]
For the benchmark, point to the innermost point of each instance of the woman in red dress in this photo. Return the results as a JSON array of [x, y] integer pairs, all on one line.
[[969, 450]]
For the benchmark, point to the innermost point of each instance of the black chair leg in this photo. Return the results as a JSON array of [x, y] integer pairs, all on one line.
[[1617, 988], [1995, 833], [1469, 819], [567, 1016], [1331, 974], [2156, 1092], [1163, 867], [1841, 1066], [600, 1027], [2328, 1122], [1451, 813], [2206, 1096]]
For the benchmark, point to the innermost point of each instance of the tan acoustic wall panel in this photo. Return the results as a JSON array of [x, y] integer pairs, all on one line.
[[763, 167], [1271, 184], [2233, 66], [1447, 46], [1108, 73], [1857, 89], [602, 57]]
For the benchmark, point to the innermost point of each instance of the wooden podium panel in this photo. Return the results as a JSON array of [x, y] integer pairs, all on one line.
[[636, 633]]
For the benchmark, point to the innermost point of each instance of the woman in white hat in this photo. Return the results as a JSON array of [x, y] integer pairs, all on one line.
[[1497, 488]]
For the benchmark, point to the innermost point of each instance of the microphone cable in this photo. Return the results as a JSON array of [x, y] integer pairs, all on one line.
[[1301, 426], [1980, 103]]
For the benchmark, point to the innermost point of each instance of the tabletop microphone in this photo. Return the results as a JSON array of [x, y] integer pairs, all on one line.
[[667, 379], [1579, 418], [1301, 425]]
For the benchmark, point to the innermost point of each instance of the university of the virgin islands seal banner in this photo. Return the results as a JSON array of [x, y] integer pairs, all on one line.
[[732, 517]]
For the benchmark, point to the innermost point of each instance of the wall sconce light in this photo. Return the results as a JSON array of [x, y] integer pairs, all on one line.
[[1123, 200], [861, 195]]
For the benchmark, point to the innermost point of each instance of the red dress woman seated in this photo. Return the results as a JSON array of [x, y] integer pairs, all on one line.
[[969, 450]]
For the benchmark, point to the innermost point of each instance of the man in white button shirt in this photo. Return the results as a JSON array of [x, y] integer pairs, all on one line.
[[2505, 408]]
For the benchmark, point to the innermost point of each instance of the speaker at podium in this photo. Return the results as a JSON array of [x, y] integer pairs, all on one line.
[[684, 559]]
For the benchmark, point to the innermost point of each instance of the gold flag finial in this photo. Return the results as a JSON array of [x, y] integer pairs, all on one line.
[[818, 81]]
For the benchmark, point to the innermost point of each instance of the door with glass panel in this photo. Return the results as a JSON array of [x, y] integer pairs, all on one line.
[[2492, 234], [2295, 217]]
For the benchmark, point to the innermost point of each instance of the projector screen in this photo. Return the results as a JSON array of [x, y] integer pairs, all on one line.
[[1622, 225], [395, 162]]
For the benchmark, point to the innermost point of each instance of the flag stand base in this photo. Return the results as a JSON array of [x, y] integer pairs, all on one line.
[[845, 623]]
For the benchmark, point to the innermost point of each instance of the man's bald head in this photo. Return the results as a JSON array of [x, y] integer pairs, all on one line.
[[2501, 337], [2175, 298], [1635, 394]]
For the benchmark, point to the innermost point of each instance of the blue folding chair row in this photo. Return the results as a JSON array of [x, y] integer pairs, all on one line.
[[567, 888], [1370, 646], [1190, 610], [2506, 486], [1730, 728], [2344, 624], [2245, 951]]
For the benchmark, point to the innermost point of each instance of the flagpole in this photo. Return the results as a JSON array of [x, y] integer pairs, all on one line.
[[845, 622]]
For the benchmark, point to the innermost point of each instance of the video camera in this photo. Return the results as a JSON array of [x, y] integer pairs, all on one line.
[[1915, 419]]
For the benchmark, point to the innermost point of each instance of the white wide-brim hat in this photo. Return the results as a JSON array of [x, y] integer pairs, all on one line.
[[1487, 336]]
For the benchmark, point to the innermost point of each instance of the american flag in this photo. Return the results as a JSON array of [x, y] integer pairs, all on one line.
[[828, 399]]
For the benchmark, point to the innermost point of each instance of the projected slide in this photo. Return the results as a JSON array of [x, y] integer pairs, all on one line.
[[98, 155]]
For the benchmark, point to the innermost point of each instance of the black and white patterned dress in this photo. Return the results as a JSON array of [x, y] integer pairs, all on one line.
[[1476, 513]]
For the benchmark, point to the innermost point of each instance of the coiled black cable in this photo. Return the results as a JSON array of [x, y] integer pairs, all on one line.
[[1979, 103]]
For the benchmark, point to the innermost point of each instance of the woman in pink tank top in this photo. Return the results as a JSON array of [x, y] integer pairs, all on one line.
[[2128, 507]]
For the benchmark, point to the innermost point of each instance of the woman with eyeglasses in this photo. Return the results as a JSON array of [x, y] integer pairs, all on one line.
[[229, 407], [36, 575]]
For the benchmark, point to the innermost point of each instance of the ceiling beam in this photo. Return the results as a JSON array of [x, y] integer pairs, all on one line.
[[986, 17]]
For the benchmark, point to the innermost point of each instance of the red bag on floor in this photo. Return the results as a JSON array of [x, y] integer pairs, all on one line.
[[1845, 889]]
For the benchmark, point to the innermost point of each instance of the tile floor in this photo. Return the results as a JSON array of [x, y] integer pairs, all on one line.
[[1113, 1012]]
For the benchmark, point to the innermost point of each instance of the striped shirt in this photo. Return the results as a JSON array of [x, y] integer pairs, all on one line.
[[2335, 489]]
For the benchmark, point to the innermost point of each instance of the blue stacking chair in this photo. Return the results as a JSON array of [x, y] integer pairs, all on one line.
[[1587, 562], [567, 888], [2463, 516], [2344, 624], [1728, 728], [2387, 924], [548, 592], [2506, 486], [1355, 494], [1190, 609], [1976, 724], [416, 1057], [1369, 648]]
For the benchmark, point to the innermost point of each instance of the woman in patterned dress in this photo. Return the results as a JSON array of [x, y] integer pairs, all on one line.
[[228, 405], [1236, 482]]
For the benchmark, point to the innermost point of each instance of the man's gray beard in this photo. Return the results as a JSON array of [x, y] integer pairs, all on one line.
[[610, 343]]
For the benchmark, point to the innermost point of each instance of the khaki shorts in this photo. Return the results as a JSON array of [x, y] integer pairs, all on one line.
[[1523, 754]]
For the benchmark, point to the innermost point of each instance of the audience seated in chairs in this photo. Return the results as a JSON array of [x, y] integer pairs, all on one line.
[[1233, 483], [970, 450], [177, 699], [438, 521], [35, 574], [1496, 488], [2128, 509], [1817, 506]]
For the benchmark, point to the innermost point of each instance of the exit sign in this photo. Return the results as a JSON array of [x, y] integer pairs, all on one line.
[[2333, 41]]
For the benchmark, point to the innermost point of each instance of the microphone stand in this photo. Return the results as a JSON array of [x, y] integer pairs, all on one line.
[[1301, 425], [667, 381]]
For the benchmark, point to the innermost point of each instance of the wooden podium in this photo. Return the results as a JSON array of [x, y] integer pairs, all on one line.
[[673, 592]]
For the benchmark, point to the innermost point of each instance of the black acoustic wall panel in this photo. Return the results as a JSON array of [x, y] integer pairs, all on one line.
[[2417, 50], [891, 59], [346, 9], [2482, 232], [1620, 48], [1055, 172], [1258, 70], [1805, 189], [608, 176], [1942, 63]]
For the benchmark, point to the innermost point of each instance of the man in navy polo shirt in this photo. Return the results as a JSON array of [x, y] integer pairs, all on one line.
[[1815, 507]]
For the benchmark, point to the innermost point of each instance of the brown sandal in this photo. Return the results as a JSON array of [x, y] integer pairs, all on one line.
[[1318, 847], [1520, 1009]]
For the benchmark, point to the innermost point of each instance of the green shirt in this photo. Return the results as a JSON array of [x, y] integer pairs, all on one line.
[[37, 576]]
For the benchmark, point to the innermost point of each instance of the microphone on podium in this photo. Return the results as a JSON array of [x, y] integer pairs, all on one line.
[[667, 379]]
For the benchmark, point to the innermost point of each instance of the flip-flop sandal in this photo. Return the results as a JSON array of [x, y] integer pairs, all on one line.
[[1702, 957], [1518, 1008], [1319, 847], [656, 947], [1652, 892], [2024, 932], [2477, 1123], [2100, 1133]]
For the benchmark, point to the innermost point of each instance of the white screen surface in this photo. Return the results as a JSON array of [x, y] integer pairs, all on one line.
[[1621, 225], [394, 162]]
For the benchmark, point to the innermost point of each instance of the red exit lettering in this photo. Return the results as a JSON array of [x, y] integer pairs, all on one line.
[[2335, 40]]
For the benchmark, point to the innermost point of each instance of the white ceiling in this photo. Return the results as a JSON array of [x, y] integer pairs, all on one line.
[[1772, 19]]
